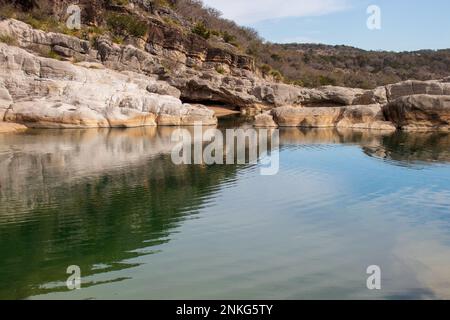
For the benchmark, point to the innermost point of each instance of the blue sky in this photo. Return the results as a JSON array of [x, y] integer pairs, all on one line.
[[405, 25]]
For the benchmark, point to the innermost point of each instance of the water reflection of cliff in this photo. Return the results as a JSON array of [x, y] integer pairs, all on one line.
[[413, 148], [90, 198]]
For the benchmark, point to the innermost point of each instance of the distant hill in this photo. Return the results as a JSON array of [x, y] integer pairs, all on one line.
[[316, 64]]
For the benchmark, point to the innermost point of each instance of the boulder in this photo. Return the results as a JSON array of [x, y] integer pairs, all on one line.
[[278, 94], [265, 120], [330, 95], [419, 112], [307, 117], [364, 117], [215, 88], [189, 115], [198, 115]]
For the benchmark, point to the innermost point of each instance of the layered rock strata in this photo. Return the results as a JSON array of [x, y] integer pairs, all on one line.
[[42, 92]]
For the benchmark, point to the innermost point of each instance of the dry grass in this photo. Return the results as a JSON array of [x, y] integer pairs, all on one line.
[[8, 40]]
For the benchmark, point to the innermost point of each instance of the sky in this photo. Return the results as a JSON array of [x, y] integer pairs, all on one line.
[[405, 25]]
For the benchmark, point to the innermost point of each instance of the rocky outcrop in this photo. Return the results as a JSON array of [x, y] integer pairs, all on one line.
[[355, 117], [421, 112], [104, 84], [50, 93], [409, 105], [191, 49], [413, 87], [307, 117], [327, 96], [189, 64], [265, 120], [364, 117]]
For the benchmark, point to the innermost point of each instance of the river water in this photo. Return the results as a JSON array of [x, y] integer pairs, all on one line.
[[140, 227]]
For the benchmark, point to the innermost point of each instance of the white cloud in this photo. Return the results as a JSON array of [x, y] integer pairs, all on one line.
[[249, 11]]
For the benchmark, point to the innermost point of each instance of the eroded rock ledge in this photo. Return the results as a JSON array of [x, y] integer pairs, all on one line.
[[42, 92], [357, 117], [409, 105], [190, 66]]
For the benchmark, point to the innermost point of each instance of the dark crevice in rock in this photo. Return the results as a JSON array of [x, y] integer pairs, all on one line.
[[209, 103], [323, 104]]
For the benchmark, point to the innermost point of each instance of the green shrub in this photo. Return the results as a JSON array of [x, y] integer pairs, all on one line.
[[276, 75], [41, 22], [172, 22], [53, 55], [7, 11], [118, 39], [276, 57], [325, 81], [265, 69], [47, 53], [8, 40], [124, 25], [229, 38], [201, 30], [299, 83], [215, 33], [162, 4], [220, 70]]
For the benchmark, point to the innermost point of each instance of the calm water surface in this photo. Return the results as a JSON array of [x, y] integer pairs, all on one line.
[[112, 202]]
